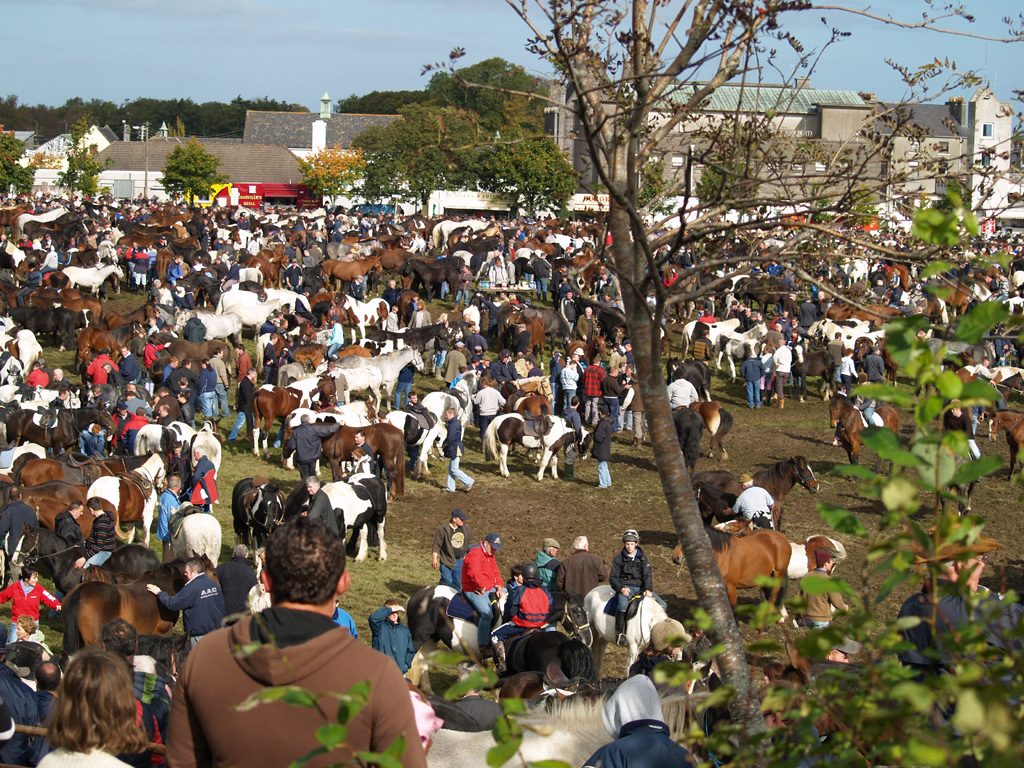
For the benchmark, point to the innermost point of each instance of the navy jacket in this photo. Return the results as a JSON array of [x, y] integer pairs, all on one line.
[[394, 640], [201, 604]]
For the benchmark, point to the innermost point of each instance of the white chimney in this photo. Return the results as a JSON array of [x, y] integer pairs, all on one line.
[[319, 135]]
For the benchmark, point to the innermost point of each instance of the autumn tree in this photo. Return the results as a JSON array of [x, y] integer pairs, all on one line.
[[83, 169], [13, 175], [332, 171], [190, 171]]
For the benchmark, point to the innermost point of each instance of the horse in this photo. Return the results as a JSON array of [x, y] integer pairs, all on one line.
[[25, 426], [92, 604], [742, 559], [196, 535], [511, 428], [132, 497], [256, 509], [689, 430], [360, 502], [1012, 423], [638, 628], [717, 422], [842, 412]]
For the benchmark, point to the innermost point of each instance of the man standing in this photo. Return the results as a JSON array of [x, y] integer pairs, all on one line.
[[200, 601], [581, 571], [453, 450], [295, 642], [602, 448], [307, 442], [451, 542], [481, 577], [236, 579]]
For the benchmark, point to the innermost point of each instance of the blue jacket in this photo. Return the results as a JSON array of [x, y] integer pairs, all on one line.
[[394, 640], [641, 744], [201, 604], [453, 440], [752, 370]]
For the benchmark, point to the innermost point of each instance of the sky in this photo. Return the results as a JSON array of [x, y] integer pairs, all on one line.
[[214, 50]]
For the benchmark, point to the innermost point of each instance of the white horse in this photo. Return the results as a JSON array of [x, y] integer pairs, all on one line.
[[638, 628], [91, 277], [109, 488], [199, 534], [549, 445]]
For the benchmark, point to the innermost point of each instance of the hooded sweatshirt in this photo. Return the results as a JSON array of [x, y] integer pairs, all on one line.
[[311, 651]]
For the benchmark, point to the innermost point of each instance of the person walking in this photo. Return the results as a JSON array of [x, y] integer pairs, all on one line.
[[602, 448], [451, 542], [453, 450], [307, 443]]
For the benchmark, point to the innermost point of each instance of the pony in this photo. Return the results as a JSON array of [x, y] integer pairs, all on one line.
[[197, 534], [256, 509], [843, 413], [638, 628], [511, 428]]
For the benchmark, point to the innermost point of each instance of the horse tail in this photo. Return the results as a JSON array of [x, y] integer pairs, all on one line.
[[491, 441], [577, 661], [69, 612]]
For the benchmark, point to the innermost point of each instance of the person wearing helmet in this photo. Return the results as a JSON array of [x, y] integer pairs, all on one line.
[[525, 609], [631, 574]]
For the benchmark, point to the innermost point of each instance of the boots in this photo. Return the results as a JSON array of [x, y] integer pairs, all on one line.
[[498, 651], [782, 403], [620, 628]]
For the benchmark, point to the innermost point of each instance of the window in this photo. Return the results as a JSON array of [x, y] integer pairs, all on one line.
[[988, 130]]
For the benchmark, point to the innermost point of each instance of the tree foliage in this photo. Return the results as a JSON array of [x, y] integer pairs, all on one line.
[[83, 170], [190, 171], [12, 173], [332, 171]]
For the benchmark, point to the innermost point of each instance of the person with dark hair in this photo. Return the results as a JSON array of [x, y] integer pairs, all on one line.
[[96, 714], [294, 642], [200, 601]]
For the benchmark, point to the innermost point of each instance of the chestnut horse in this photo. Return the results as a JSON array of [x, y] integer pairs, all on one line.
[[742, 559], [842, 412], [388, 443], [1013, 424], [89, 606]]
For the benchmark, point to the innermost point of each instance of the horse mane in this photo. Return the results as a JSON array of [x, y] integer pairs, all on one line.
[[720, 541]]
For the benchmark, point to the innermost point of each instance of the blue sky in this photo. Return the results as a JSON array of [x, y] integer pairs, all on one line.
[[296, 50]]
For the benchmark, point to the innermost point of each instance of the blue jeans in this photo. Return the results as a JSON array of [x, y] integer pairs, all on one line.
[[402, 391], [98, 559], [624, 599], [753, 394], [222, 399], [454, 473], [208, 402], [604, 477], [451, 577], [236, 428], [482, 604], [612, 403]]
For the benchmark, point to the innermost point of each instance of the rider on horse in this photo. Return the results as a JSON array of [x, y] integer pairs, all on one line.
[[528, 608]]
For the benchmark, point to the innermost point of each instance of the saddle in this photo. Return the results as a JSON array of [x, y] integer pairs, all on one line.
[[178, 518], [534, 426]]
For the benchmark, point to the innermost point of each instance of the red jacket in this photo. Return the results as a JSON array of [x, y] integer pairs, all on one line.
[[480, 571], [27, 605], [592, 378]]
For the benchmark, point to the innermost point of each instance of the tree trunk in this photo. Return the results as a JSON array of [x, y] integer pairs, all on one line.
[[645, 335]]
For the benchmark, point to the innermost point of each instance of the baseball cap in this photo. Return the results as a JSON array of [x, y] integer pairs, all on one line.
[[494, 540], [551, 543], [459, 514]]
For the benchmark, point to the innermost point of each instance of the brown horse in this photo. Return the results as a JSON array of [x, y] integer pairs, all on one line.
[[388, 443], [842, 412], [741, 559], [89, 606], [1013, 424], [717, 422]]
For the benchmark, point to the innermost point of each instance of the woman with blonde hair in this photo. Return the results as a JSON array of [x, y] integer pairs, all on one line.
[[96, 716]]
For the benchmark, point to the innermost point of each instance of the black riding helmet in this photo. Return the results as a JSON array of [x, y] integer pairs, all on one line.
[[530, 571]]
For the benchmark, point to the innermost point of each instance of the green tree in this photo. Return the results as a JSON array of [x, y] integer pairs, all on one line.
[[12, 173], [534, 173], [83, 171], [190, 171]]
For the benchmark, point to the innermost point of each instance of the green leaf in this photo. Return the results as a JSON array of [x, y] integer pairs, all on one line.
[[500, 754], [331, 735], [972, 470], [949, 385], [980, 320], [841, 520]]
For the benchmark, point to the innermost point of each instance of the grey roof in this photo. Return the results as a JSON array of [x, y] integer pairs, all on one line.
[[779, 98], [936, 119], [295, 129], [254, 163]]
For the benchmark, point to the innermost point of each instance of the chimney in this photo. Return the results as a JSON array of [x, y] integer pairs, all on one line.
[[956, 106], [319, 135], [325, 107]]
